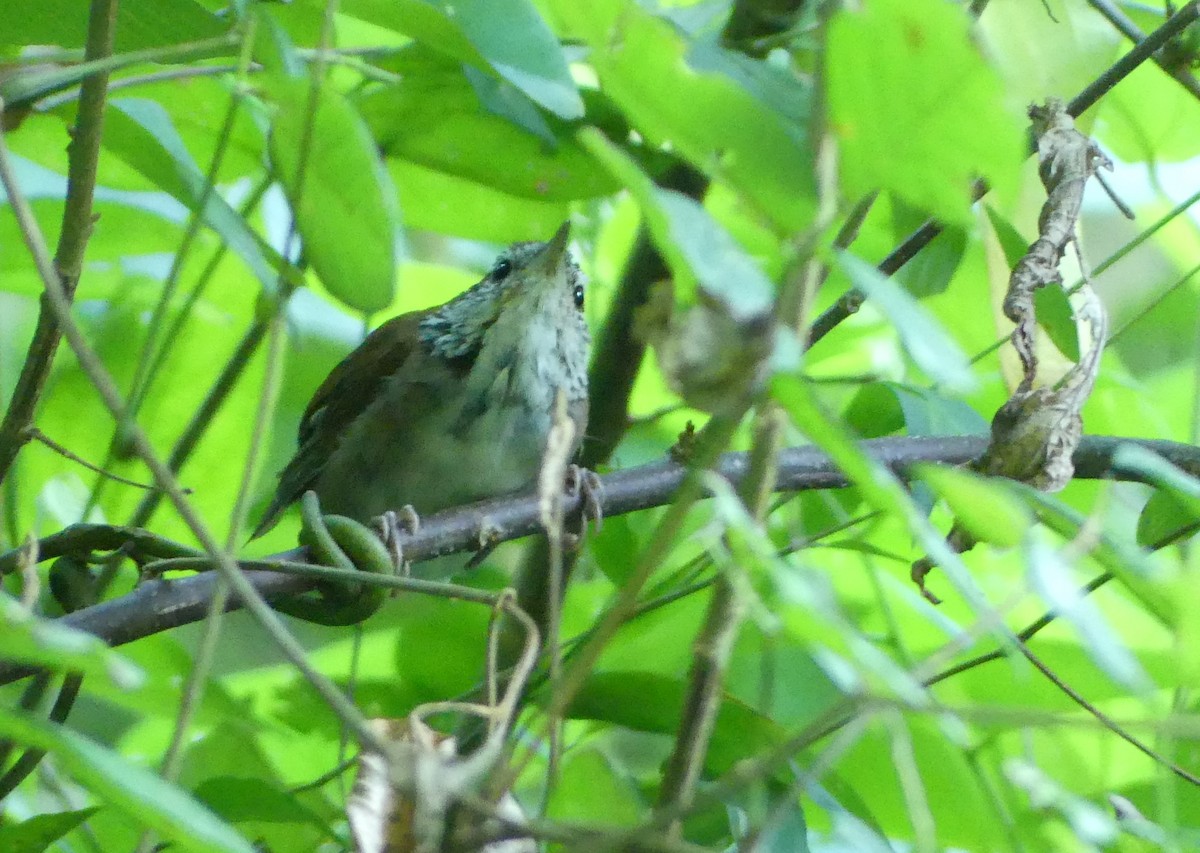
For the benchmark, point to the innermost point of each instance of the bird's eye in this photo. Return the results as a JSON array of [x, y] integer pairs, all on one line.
[[579, 296], [501, 270]]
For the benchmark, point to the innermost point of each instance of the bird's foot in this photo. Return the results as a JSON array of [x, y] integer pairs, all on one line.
[[584, 483], [393, 527]]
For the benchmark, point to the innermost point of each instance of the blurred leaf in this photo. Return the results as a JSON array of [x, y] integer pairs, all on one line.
[[1172, 510], [31, 639], [712, 119], [340, 193], [514, 39], [140, 23], [507, 37], [881, 408], [786, 831], [924, 338], [436, 120], [1054, 580], [1127, 563], [1167, 518], [590, 788], [1055, 316], [141, 133], [273, 48], [144, 797], [39, 832], [989, 512], [951, 125], [698, 250], [240, 799], [930, 272], [650, 703]]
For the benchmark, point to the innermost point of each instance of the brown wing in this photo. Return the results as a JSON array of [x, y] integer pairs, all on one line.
[[345, 393]]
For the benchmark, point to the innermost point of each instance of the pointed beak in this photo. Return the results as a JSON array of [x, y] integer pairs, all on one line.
[[550, 259]]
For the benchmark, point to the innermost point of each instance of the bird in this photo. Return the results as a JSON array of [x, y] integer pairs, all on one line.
[[449, 405]]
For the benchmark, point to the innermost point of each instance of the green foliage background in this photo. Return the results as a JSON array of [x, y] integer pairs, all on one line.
[[442, 130]]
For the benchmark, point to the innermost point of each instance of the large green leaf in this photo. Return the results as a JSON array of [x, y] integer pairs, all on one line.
[[698, 250], [31, 639], [651, 703], [508, 38], [437, 120], [723, 120], [140, 23], [145, 798], [917, 109], [340, 193]]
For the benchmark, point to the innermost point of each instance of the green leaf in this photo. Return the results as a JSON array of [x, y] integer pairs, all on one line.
[[436, 120], [649, 702], [240, 799], [514, 39], [1127, 563], [1012, 242], [1056, 317], [140, 23], [340, 193], [989, 512], [724, 122], [141, 133], [144, 797], [31, 639], [39, 832], [696, 247], [1058, 586], [923, 337], [1172, 511], [508, 38], [917, 109]]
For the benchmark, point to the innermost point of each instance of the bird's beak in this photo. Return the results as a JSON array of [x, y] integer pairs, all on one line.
[[549, 259]]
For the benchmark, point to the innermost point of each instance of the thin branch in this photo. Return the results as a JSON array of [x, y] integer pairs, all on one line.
[[852, 300], [83, 154], [1147, 47], [1105, 720]]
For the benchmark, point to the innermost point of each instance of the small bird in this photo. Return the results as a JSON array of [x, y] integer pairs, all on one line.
[[449, 405]]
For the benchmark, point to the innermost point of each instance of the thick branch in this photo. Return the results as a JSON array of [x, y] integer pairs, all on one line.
[[161, 605]]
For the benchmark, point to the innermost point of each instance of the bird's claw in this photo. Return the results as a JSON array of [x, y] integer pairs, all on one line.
[[393, 526], [584, 483]]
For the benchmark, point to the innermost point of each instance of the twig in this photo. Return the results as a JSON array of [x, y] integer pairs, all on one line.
[[1105, 720], [83, 154], [37, 435]]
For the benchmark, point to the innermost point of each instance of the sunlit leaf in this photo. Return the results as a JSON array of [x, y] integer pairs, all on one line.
[[39, 832], [341, 194], [987, 511], [917, 109], [147, 799]]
